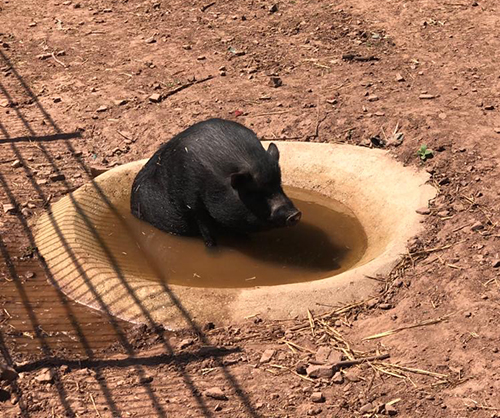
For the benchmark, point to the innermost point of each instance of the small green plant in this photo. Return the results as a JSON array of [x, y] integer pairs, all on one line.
[[425, 153]]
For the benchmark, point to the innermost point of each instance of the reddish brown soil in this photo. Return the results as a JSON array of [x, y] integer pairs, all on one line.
[[130, 49]]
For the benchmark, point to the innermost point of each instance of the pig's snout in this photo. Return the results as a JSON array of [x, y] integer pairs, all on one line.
[[294, 218]]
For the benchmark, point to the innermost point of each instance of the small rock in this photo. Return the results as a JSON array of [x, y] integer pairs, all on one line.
[[390, 410], [215, 393], [317, 397], [57, 177], [443, 213], [399, 77], [334, 357], [489, 107], [322, 354], [315, 410], [477, 226], [186, 343], [57, 100], [97, 170], [45, 375], [496, 263], [16, 164], [7, 373], [352, 376], [372, 98], [201, 57], [316, 371], [366, 408], [426, 96], [155, 98], [120, 102], [338, 378], [145, 379], [26, 212], [150, 40], [273, 8], [423, 211], [385, 306], [102, 108], [267, 356], [30, 274], [275, 82], [301, 368], [8, 208], [497, 130], [4, 103], [468, 314]]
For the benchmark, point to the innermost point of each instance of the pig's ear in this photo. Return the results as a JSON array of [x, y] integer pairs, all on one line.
[[273, 151], [240, 179]]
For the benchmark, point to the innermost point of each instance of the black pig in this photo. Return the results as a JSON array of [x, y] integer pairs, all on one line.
[[214, 175]]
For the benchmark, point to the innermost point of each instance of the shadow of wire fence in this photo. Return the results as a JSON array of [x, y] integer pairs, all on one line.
[[36, 318]]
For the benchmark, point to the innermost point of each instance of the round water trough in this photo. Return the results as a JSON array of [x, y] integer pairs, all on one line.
[[382, 194]]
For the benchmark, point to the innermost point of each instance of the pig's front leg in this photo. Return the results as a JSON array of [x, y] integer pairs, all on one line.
[[206, 228]]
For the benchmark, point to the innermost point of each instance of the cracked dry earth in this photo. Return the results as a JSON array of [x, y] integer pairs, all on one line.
[[87, 85]]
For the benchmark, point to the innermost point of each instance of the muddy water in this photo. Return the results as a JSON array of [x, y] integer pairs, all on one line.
[[327, 241]]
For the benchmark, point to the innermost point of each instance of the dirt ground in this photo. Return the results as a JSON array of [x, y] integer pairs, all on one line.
[[93, 83]]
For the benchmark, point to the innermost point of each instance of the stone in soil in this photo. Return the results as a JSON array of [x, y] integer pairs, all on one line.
[[390, 410], [315, 410], [423, 211], [399, 77], [215, 393], [317, 397], [16, 164], [477, 226], [275, 82], [155, 98], [315, 371], [102, 108], [267, 356], [8, 208], [338, 378], [57, 177], [372, 98], [45, 375], [301, 368], [322, 354], [496, 263], [426, 96], [186, 343], [366, 408]]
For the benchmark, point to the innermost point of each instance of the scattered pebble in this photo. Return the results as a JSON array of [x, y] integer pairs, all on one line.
[[316, 371], [477, 226], [314, 410], [9, 208], [26, 212], [120, 102], [390, 410], [423, 211], [30, 275], [267, 356], [155, 98], [45, 375], [201, 57], [186, 343], [322, 354], [496, 263], [215, 393], [317, 397], [372, 98], [102, 108], [426, 96], [385, 306], [57, 177], [399, 77], [57, 99], [275, 82], [150, 40], [366, 408], [338, 378], [489, 107], [16, 164]]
